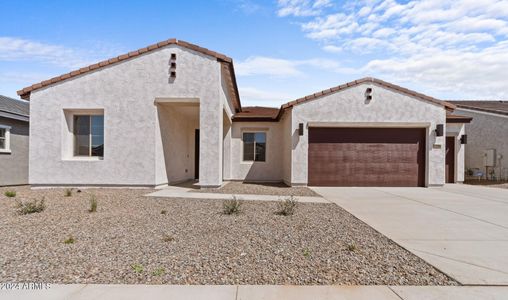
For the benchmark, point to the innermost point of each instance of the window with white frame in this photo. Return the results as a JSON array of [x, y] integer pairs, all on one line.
[[254, 146], [5, 138], [89, 135]]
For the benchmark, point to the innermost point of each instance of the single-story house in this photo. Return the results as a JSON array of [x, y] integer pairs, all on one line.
[[14, 128], [487, 137], [171, 112]]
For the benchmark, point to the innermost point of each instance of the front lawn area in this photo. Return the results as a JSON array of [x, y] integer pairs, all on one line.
[[136, 239]]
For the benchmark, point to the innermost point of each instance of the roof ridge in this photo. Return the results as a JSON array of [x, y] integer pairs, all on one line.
[[25, 92], [366, 80]]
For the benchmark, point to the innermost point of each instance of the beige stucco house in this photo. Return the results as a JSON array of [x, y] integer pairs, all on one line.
[[171, 112], [487, 142]]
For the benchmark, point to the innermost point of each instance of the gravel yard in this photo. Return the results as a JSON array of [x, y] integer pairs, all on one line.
[[503, 184], [277, 189], [136, 239]]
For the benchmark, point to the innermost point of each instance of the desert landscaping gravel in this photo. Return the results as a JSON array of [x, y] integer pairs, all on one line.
[[277, 189], [136, 239]]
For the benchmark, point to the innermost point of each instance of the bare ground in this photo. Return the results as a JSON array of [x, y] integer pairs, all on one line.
[[136, 239]]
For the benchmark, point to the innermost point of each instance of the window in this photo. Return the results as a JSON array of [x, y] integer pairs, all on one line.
[[89, 135], [4, 139], [254, 146]]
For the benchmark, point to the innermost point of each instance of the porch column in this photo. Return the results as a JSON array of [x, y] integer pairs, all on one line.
[[210, 142]]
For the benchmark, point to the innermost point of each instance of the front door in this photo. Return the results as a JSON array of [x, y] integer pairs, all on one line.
[[196, 154], [450, 159]]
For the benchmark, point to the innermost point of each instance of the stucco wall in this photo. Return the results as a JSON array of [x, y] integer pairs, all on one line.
[[126, 92], [269, 170], [385, 107], [287, 143], [14, 165], [486, 131]]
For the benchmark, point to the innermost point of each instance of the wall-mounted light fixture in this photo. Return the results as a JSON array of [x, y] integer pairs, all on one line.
[[368, 94], [463, 139], [300, 129], [439, 130]]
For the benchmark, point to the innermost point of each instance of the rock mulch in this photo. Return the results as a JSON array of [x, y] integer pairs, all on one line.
[[134, 239], [277, 189]]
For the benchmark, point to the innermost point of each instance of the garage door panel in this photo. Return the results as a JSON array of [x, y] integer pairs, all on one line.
[[366, 156]]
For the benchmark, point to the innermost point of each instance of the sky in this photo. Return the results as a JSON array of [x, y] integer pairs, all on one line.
[[282, 49]]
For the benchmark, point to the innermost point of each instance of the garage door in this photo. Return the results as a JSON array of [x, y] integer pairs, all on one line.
[[366, 156]]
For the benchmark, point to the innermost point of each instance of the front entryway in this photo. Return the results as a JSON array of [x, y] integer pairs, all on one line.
[[450, 159], [366, 157]]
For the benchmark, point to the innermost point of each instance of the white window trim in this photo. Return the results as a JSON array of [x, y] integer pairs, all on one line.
[[266, 147], [7, 148]]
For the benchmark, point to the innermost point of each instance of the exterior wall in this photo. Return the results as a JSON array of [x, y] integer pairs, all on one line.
[[457, 130], [269, 170], [14, 165], [133, 146], [287, 146], [387, 108], [486, 131]]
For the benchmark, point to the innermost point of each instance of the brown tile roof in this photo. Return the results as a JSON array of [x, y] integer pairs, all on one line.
[[257, 113], [226, 62], [497, 107], [458, 119], [373, 81]]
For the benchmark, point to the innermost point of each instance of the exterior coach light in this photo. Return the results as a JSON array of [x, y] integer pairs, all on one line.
[[439, 130], [463, 139], [300, 129]]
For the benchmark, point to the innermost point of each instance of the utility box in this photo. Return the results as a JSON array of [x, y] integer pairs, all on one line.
[[489, 157]]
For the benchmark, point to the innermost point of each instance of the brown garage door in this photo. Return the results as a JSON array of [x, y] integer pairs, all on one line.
[[366, 156]]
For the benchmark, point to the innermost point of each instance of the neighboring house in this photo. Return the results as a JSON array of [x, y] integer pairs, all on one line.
[[171, 112], [14, 130], [488, 131]]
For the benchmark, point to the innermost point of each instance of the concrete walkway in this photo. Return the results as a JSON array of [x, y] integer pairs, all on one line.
[[259, 292], [460, 229], [181, 192]]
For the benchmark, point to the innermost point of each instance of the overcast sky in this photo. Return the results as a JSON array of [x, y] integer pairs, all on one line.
[[282, 50]]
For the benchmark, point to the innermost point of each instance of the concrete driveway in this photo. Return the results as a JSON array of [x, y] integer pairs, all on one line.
[[460, 229]]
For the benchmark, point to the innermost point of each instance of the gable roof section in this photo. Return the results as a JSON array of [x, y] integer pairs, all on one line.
[[14, 108], [254, 114], [372, 80], [227, 64], [496, 107]]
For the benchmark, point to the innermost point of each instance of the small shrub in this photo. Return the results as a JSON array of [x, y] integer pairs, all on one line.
[[69, 240], [168, 238], [306, 252], [287, 206], [93, 204], [68, 192], [30, 207], [163, 212], [351, 247], [159, 272], [137, 268], [231, 206], [10, 194]]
